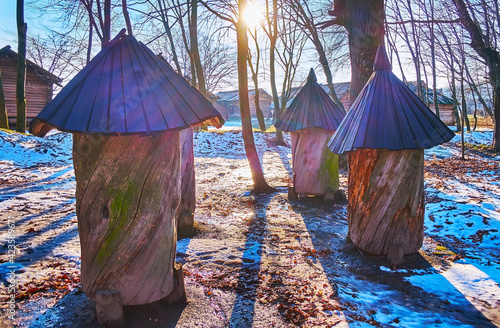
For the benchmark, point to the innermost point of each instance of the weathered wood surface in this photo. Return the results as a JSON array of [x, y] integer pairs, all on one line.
[[127, 195], [315, 167], [386, 201], [109, 309], [188, 186]]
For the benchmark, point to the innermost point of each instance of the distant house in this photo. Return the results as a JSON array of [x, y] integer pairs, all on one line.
[[39, 85], [228, 103], [445, 104]]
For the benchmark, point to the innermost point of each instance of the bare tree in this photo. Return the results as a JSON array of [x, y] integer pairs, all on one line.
[[234, 15], [21, 68], [272, 33], [290, 47], [303, 16], [481, 23], [255, 78]]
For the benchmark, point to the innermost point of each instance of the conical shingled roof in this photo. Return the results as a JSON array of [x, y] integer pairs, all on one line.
[[388, 115], [311, 107], [126, 89]]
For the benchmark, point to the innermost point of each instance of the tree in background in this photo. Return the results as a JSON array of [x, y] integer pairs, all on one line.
[[21, 68], [255, 78], [272, 34], [4, 119], [235, 17], [303, 15], [479, 21]]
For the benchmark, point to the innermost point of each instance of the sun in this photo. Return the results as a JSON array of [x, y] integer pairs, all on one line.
[[252, 15]]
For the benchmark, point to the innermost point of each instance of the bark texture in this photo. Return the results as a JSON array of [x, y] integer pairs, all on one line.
[[127, 196], [315, 167], [4, 120], [386, 201], [260, 184], [364, 21], [188, 186], [22, 28]]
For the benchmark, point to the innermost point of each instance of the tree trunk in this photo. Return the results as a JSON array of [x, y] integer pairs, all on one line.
[[433, 62], [21, 68], [258, 110], [4, 119], [127, 195], [193, 33], [164, 18], [364, 21], [188, 186], [106, 29], [260, 184], [273, 35], [454, 97], [386, 201], [126, 16], [315, 167]]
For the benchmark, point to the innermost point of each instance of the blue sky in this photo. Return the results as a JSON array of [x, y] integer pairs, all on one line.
[[7, 22]]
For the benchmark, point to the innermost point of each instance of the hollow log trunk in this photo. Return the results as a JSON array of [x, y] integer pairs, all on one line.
[[188, 186], [386, 201], [315, 167], [127, 196]]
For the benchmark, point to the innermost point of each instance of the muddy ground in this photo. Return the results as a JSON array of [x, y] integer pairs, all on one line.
[[257, 260]]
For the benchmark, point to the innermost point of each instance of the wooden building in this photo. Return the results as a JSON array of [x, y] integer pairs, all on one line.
[[39, 85], [385, 133], [311, 119], [125, 110], [228, 103], [445, 104]]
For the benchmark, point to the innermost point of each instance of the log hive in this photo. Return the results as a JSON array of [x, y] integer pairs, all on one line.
[[315, 167], [386, 201], [127, 197], [188, 186]]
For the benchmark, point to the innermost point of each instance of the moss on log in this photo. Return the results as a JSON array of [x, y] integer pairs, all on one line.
[[315, 167], [386, 201], [127, 196]]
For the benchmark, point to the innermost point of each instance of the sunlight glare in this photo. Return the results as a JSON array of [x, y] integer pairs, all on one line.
[[253, 15]]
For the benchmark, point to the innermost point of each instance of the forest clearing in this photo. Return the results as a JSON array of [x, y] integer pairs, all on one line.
[[260, 260]]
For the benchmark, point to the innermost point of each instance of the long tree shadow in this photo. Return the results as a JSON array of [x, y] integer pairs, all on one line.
[[48, 211], [243, 312], [35, 254], [365, 281], [7, 193]]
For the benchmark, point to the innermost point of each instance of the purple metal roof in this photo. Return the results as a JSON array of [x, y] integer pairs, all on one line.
[[312, 107], [126, 89], [388, 115]]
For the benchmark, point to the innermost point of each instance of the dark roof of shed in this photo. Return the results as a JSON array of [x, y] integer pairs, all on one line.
[[311, 107], [429, 93], [234, 95], [388, 115], [126, 89], [11, 54]]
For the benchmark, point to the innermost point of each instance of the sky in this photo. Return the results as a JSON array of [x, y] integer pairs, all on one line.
[[8, 22]]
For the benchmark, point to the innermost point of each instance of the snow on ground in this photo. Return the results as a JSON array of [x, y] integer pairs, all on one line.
[[261, 260]]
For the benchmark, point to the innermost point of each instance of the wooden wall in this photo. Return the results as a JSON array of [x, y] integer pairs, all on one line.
[[445, 113], [38, 89]]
